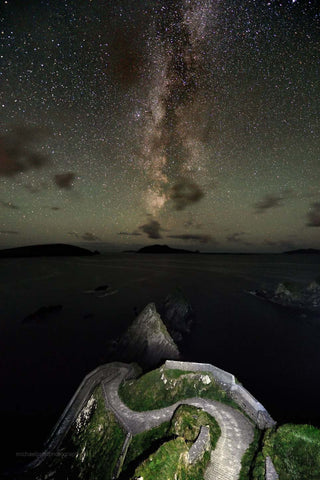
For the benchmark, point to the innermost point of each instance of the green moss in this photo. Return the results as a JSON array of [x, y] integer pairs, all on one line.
[[259, 468], [165, 463], [187, 421], [295, 452], [98, 444], [170, 461], [150, 391], [196, 471], [249, 456], [143, 441]]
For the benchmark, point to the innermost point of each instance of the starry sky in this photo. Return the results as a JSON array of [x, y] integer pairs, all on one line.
[[193, 123]]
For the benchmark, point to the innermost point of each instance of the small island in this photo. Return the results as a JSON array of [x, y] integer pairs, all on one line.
[[163, 249], [47, 250]]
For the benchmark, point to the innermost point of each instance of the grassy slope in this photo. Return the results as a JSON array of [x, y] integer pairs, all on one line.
[[295, 451], [166, 462], [98, 444], [150, 391], [249, 456], [143, 441], [91, 451]]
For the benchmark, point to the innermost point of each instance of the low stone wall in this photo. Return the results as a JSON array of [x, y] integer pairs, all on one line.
[[220, 375], [254, 409], [201, 445], [251, 406]]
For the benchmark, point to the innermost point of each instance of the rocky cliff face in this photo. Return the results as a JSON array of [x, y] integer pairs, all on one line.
[[147, 340]]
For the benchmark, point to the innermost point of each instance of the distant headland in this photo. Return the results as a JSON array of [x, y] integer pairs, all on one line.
[[47, 250], [309, 251]]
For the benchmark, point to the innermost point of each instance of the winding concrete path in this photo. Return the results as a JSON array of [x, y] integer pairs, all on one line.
[[237, 431]]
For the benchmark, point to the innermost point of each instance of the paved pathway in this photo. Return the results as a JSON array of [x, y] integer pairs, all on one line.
[[236, 430]]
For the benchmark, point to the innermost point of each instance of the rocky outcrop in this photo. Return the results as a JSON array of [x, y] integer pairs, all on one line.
[[147, 340], [177, 314], [291, 294]]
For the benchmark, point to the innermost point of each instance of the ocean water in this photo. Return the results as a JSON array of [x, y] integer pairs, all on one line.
[[272, 350]]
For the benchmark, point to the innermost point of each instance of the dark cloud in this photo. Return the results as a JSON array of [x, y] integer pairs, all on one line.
[[191, 223], [267, 203], [271, 201], [64, 180], [9, 232], [281, 244], [192, 237], [152, 229], [89, 237], [134, 234], [184, 193], [314, 215], [9, 205], [17, 151], [236, 237]]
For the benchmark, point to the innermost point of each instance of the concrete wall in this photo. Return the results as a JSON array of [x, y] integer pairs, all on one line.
[[271, 473], [220, 375], [201, 445], [254, 409]]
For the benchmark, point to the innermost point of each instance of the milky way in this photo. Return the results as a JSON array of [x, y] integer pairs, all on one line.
[[194, 122], [173, 144]]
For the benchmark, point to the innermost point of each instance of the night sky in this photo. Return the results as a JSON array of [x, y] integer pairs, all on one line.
[[131, 122]]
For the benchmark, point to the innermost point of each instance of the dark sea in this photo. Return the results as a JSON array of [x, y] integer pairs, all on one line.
[[273, 351]]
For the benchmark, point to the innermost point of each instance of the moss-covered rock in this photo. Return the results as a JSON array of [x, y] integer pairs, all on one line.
[[187, 421], [295, 451], [163, 387], [97, 439]]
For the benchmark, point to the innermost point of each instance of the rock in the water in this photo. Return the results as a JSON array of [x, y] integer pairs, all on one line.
[[43, 313], [147, 340], [291, 294], [101, 288], [102, 291]]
